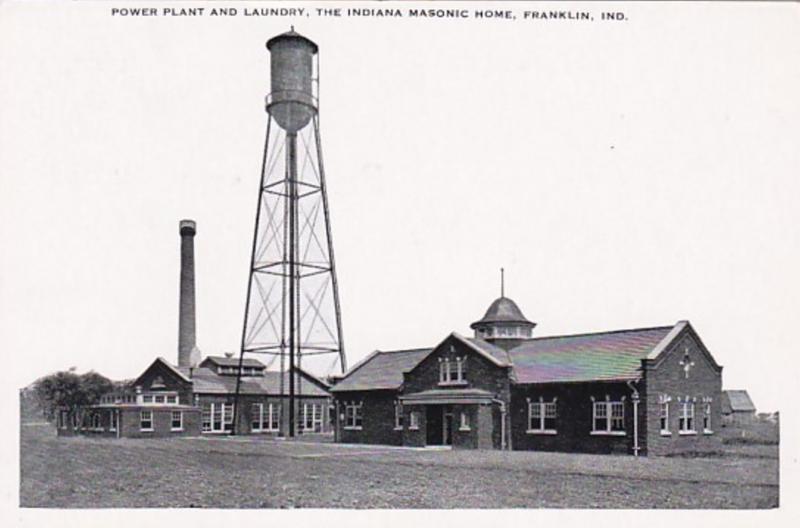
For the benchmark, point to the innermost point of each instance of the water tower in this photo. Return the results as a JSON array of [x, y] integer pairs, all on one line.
[[292, 313]]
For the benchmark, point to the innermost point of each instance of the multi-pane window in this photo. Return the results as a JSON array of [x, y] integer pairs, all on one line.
[[398, 415], [664, 417], [217, 417], [352, 416], [451, 370], [177, 420], [265, 417], [542, 416], [686, 420], [146, 420], [310, 419], [608, 417]]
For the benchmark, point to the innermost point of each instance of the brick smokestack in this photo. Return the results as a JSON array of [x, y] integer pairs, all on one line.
[[186, 319]]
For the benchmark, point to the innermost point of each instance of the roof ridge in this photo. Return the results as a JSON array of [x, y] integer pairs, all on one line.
[[642, 329], [420, 349]]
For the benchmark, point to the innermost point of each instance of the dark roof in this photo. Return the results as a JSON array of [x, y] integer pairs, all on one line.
[[495, 351], [502, 310], [381, 370], [289, 35], [737, 401], [206, 381], [233, 361], [600, 356]]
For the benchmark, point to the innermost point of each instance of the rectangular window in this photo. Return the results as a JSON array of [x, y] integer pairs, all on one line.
[[451, 370], [96, 421], [256, 415], [687, 418], [112, 420], [707, 419], [177, 421], [542, 417], [664, 418], [608, 418], [398, 415], [311, 417], [206, 417], [413, 420], [172, 398], [217, 417], [159, 398], [146, 420], [147, 398], [464, 424], [352, 416]]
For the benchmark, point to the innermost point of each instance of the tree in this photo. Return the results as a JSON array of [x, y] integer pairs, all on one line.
[[70, 391]]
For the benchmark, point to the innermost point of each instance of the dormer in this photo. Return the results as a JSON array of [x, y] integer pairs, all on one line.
[[229, 366]]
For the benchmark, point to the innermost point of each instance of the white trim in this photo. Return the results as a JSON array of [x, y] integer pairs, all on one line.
[[413, 421], [687, 433], [608, 433], [353, 427], [464, 422], [172, 420], [667, 339], [141, 419], [541, 431], [476, 348]]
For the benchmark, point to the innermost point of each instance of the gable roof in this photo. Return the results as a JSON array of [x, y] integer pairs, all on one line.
[[233, 361], [381, 370], [602, 356], [168, 365], [737, 401], [206, 381]]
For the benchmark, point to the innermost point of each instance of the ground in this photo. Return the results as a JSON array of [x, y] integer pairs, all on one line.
[[244, 472]]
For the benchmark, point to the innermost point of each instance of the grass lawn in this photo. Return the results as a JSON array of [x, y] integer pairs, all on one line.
[[259, 473]]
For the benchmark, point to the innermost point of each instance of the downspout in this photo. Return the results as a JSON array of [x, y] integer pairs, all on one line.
[[635, 398]]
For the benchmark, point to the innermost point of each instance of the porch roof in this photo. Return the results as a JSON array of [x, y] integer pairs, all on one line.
[[447, 396]]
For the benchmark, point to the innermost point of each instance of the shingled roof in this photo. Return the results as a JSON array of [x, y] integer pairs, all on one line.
[[206, 381], [600, 356], [233, 361], [736, 401], [381, 370]]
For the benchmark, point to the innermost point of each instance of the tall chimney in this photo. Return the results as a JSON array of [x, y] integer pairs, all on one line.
[[186, 320]]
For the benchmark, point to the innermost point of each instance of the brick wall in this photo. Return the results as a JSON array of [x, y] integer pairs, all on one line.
[[668, 378], [574, 417], [130, 422], [377, 418]]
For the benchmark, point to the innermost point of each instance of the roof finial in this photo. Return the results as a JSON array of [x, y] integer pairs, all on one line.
[[502, 282]]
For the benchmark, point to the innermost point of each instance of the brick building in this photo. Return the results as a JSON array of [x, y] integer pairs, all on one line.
[[166, 400], [641, 391]]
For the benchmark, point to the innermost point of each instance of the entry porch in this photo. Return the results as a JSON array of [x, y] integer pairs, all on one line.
[[461, 418]]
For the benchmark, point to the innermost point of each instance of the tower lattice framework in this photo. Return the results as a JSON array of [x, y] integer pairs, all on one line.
[[292, 313]]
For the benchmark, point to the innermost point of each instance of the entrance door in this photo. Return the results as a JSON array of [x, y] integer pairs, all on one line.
[[434, 423], [447, 424]]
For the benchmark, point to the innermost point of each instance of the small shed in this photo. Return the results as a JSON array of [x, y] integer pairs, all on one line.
[[737, 408]]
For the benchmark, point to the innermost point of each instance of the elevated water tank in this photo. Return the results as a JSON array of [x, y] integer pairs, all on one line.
[[291, 102]]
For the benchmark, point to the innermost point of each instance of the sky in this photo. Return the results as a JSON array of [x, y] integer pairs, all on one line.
[[625, 174]]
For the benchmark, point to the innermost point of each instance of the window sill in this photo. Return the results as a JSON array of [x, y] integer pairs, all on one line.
[[708, 432], [412, 428], [353, 428], [398, 428], [666, 433], [608, 433], [541, 431], [146, 430], [687, 433], [452, 383], [176, 430], [464, 429]]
